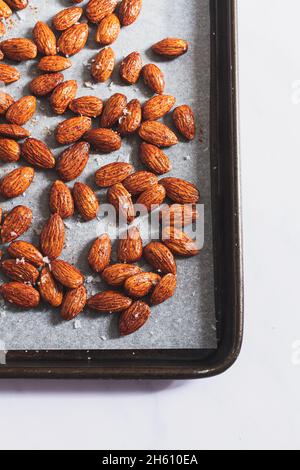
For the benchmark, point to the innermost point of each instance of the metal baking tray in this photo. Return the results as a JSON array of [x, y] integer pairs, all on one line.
[[180, 363]]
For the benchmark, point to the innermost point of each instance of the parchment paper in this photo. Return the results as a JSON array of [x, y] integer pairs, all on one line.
[[188, 320]]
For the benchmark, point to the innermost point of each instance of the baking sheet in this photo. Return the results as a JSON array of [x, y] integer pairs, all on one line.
[[187, 320]]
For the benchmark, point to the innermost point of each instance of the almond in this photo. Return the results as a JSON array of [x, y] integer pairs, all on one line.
[[134, 318], [13, 131], [103, 65], [66, 18], [152, 198], [160, 257], [19, 49], [61, 200], [5, 102], [104, 140], [22, 110], [66, 274], [51, 292], [9, 74], [157, 134], [20, 294], [89, 106], [54, 63], [131, 68], [157, 107], [73, 303], [129, 11], [72, 161], [131, 119], [180, 191], [100, 253], [130, 249], [44, 84], [37, 153], [96, 10], [179, 242], [179, 215], [139, 182], [17, 4], [184, 121], [140, 285], [5, 11], [71, 130], [108, 30], [17, 222], [52, 237], [171, 47], [86, 201], [154, 78], [20, 270], [63, 95], [73, 39], [10, 150], [16, 182], [112, 173], [109, 302], [155, 159], [44, 39], [117, 274], [164, 290], [120, 198], [113, 110], [27, 251]]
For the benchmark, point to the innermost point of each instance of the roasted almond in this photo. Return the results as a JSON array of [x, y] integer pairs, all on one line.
[[71, 130], [131, 68], [139, 182], [129, 11], [66, 18], [73, 39], [155, 159], [171, 47], [184, 121], [100, 253], [154, 78], [19, 49], [5, 11], [9, 74], [179, 242], [54, 63], [160, 257], [67, 274], [134, 318], [113, 110], [152, 198], [22, 110], [96, 10], [37, 153], [16, 222], [104, 140], [179, 215], [116, 274], [16, 182], [180, 191], [130, 249], [86, 201], [44, 39], [120, 198], [20, 270], [72, 161], [52, 237], [131, 118], [63, 95], [13, 131], [158, 134], [164, 290], [24, 250], [141, 284], [157, 107], [61, 200], [45, 84], [113, 173], [108, 30], [17, 4], [10, 150], [89, 106], [109, 302], [103, 65], [51, 292], [73, 303], [5, 102], [20, 294]]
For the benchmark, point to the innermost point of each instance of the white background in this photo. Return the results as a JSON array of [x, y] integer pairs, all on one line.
[[256, 404]]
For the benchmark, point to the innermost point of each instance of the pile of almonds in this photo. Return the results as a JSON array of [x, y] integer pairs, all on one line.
[[39, 273]]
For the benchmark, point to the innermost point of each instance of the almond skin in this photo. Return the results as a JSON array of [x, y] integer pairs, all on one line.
[[51, 292], [164, 290], [157, 107], [61, 200], [117, 274], [130, 249], [140, 285], [134, 318], [103, 65], [73, 39], [63, 95], [37, 153], [131, 67], [22, 110], [73, 303], [5, 102], [104, 140], [154, 78], [120, 198], [9, 74], [139, 182], [100, 253], [129, 11], [113, 173], [54, 63], [96, 10], [72, 161], [184, 121], [66, 18], [158, 134], [113, 110], [179, 242], [66, 274], [45, 84], [89, 106], [17, 222], [20, 294], [131, 119], [152, 198], [10, 150], [108, 30], [19, 49], [171, 47], [155, 159], [179, 215], [109, 302], [86, 201], [5, 11], [16, 182], [20, 249], [17, 4], [160, 257], [71, 130], [52, 237], [13, 131], [19, 270], [180, 191], [44, 39]]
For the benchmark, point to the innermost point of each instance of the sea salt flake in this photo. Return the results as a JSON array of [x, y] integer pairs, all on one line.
[[77, 324]]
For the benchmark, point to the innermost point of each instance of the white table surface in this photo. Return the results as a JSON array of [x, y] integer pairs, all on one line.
[[256, 404]]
